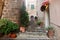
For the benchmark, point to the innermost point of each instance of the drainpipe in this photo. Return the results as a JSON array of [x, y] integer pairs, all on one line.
[[47, 17]]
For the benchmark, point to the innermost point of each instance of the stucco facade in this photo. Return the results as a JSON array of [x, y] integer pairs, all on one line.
[[55, 12]]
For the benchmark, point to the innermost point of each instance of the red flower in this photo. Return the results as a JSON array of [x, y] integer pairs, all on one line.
[[45, 3]]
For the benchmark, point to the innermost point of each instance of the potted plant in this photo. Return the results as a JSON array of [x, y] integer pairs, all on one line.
[[22, 29], [40, 23], [13, 29], [8, 28], [50, 32], [44, 6], [12, 35], [24, 19]]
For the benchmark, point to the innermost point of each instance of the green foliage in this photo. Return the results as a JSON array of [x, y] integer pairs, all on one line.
[[50, 28], [7, 26], [39, 22], [2, 22], [24, 18]]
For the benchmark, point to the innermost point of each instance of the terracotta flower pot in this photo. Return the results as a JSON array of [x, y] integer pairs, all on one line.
[[12, 35], [22, 29], [50, 33]]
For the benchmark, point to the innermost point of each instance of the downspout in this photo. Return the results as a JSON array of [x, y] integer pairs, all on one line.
[[47, 17]]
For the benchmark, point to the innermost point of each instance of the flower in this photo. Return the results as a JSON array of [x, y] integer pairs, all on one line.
[[44, 6]]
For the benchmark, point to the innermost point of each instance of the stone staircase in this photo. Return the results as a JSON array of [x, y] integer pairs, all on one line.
[[34, 36], [36, 29], [37, 34], [30, 36]]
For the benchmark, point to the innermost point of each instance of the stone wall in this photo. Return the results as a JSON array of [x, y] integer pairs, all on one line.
[[11, 10]]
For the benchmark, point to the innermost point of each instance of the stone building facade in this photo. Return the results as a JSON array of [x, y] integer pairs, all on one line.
[[11, 10], [36, 11], [31, 7]]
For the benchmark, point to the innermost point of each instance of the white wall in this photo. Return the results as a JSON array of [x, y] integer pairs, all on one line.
[[55, 12], [28, 7], [40, 13]]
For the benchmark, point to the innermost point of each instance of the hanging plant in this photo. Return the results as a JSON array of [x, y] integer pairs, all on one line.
[[44, 6]]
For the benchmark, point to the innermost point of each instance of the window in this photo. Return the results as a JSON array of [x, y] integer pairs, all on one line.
[[32, 6]]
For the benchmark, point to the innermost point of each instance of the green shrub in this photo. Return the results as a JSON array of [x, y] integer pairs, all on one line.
[[24, 18], [2, 22], [6, 26]]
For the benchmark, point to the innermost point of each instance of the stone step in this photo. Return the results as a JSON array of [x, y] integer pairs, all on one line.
[[30, 39], [37, 29], [34, 36], [33, 33]]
